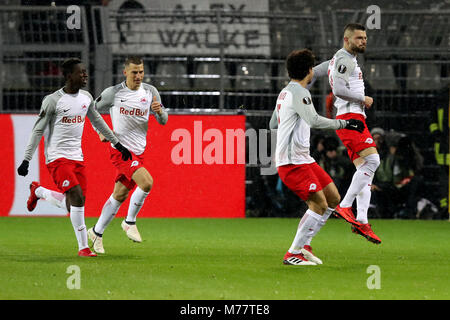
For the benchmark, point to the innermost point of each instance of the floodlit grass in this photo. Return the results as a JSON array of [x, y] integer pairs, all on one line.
[[223, 259]]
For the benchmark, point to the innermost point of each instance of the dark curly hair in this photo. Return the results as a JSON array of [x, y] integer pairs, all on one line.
[[299, 62]]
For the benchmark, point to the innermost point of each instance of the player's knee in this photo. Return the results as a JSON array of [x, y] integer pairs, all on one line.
[[372, 162], [76, 197], [334, 200], [120, 196], [320, 207], [147, 185]]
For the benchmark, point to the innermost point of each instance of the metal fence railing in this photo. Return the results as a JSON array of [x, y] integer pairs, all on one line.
[[229, 60], [216, 59], [33, 43]]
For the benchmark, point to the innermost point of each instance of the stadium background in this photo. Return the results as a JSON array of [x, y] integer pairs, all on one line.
[[216, 61]]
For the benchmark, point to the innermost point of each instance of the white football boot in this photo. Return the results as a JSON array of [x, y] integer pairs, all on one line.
[[308, 254], [97, 242], [131, 231]]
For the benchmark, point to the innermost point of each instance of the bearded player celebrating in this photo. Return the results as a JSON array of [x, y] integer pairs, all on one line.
[[347, 83]]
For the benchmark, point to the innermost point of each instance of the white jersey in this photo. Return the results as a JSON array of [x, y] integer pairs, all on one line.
[[296, 116], [61, 121], [344, 65], [130, 111]]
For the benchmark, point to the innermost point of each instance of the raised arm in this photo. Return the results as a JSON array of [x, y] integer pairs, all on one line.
[[321, 70]]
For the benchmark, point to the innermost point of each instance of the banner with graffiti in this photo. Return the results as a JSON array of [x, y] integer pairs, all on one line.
[[182, 29]]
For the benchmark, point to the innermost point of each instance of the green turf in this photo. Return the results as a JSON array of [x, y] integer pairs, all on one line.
[[224, 259]]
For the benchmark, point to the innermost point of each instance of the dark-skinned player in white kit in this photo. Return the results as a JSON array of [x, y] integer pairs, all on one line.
[[63, 113]]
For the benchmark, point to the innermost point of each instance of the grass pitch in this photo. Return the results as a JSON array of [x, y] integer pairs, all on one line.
[[224, 259]]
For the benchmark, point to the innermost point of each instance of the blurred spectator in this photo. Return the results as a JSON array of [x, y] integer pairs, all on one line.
[[398, 181], [408, 177], [439, 129], [317, 146], [336, 164], [379, 138], [382, 185]]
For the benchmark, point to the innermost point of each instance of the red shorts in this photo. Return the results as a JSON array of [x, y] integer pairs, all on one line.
[[67, 174], [353, 140], [304, 179], [125, 169]]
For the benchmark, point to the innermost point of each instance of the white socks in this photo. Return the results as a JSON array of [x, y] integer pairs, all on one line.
[[308, 227], [109, 210], [55, 198], [362, 204], [323, 219], [361, 179], [112, 206], [136, 203], [77, 219]]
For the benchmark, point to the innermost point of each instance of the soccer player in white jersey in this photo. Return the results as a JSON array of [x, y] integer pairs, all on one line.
[[63, 113], [347, 83], [130, 104], [294, 115]]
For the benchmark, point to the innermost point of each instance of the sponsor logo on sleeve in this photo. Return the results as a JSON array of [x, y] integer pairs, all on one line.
[[342, 68], [307, 100]]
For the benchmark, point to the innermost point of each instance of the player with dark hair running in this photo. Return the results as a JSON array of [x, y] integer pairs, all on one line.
[[347, 83], [63, 113], [294, 116], [130, 104]]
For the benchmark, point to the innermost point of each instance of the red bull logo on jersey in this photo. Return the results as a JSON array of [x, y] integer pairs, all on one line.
[[75, 119], [133, 112]]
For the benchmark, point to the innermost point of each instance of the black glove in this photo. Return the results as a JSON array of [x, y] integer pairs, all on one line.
[[126, 155], [354, 124], [23, 169]]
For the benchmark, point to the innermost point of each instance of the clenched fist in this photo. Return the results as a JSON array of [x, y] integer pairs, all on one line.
[[156, 106]]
